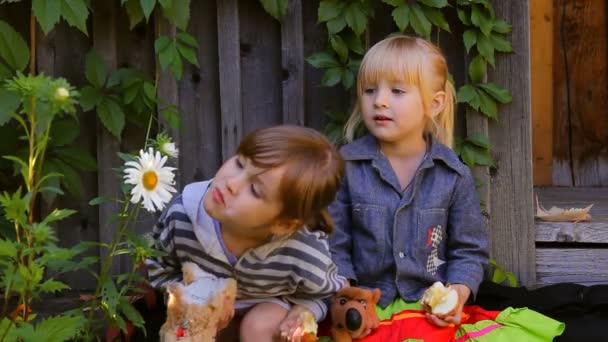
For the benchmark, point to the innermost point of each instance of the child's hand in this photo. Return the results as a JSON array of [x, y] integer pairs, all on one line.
[[463, 295], [291, 328]]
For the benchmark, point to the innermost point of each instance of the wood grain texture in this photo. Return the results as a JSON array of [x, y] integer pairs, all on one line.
[[292, 62], [230, 75], [541, 60], [511, 216], [581, 232], [583, 266], [581, 93]]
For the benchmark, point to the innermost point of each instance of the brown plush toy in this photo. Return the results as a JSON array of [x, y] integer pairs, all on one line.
[[196, 307], [351, 310]]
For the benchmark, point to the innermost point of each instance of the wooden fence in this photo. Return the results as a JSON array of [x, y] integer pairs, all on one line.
[[253, 73]]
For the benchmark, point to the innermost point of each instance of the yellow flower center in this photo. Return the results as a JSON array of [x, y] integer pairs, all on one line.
[[150, 179]]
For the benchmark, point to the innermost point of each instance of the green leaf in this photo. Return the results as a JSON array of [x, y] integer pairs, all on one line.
[[166, 51], [485, 48], [470, 38], [480, 140], [336, 25], [395, 3], [109, 296], [187, 39], [5, 72], [166, 3], [468, 94], [435, 3], [354, 43], [177, 68], [147, 7], [9, 103], [13, 49], [131, 313], [136, 15], [178, 13], [95, 69], [276, 8], [100, 200], [47, 12], [52, 286], [188, 53], [329, 9], [332, 77], [348, 78], [339, 46], [500, 43], [401, 16], [323, 60], [112, 116], [477, 69], [356, 18], [501, 26], [76, 157], [63, 132], [497, 92], [59, 328], [464, 17], [172, 117], [488, 105], [76, 13], [481, 19], [419, 22], [436, 17], [58, 214], [8, 248], [90, 97]]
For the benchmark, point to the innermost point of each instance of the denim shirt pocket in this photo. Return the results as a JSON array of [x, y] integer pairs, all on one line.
[[431, 236], [369, 245]]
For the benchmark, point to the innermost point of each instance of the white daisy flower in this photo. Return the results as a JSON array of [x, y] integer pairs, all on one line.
[[166, 146], [151, 179]]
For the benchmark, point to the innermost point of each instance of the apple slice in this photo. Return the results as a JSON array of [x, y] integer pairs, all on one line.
[[309, 324], [440, 300]]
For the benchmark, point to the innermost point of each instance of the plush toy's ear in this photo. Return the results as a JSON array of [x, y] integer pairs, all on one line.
[[375, 296]]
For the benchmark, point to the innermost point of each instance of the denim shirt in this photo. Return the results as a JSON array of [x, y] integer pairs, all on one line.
[[403, 241]]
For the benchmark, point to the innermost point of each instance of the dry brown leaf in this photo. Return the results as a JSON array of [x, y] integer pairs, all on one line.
[[556, 214]]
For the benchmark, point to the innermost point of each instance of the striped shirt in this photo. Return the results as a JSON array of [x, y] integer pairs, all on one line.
[[293, 270]]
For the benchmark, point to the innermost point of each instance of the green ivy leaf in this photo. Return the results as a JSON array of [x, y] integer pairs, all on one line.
[[356, 18], [134, 12], [336, 24], [172, 117], [76, 13], [5, 72], [178, 13], [147, 7], [480, 140], [64, 132], [395, 3], [470, 38], [332, 77], [464, 16], [436, 17], [468, 94], [166, 50], [95, 69], [9, 103], [177, 67], [188, 53], [112, 116], [100, 200], [13, 49], [166, 3], [501, 26], [90, 97], [401, 16], [481, 19], [276, 8], [477, 69], [435, 3], [500, 43], [187, 39], [338, 44], [76, 157], [419, 22], [348, 78], [485, 48], [354, 43], [48, 13], [323, 60], [329, 9], [488, 105], [497, 92]]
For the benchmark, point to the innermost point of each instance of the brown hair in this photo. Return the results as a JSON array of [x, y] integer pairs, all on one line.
[[417, 62], [314, 170]]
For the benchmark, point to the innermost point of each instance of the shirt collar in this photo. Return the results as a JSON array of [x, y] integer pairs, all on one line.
[[367, 148]]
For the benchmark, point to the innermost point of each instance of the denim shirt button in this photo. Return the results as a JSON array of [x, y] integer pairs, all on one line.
[[401, 255]]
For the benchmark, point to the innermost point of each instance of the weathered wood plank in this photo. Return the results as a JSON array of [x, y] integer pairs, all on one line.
[[581, 51], [512, 216], [292, 61], [104, 41], [261, 74], [199, 99], [583, 266], [230, 75], [541, 60], [575, 198], [584, 232]]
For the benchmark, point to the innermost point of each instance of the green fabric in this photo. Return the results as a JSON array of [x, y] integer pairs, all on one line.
[[519, 324], [396, 306]]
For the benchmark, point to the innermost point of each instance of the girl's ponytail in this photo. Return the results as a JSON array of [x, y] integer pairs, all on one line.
[[444, 123]]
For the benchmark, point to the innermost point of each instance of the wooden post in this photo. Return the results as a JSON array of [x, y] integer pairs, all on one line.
[[292, 52], [104, 42], [230, 75], [511, 197]]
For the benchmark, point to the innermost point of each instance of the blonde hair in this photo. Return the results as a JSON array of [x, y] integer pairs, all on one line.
[[417, 62], [314, 170]]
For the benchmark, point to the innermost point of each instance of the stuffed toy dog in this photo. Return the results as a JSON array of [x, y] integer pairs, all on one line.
[[351, 311], [196, 307]]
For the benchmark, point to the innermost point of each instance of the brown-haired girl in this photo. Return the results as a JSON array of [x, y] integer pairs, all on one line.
[[263, 220]]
